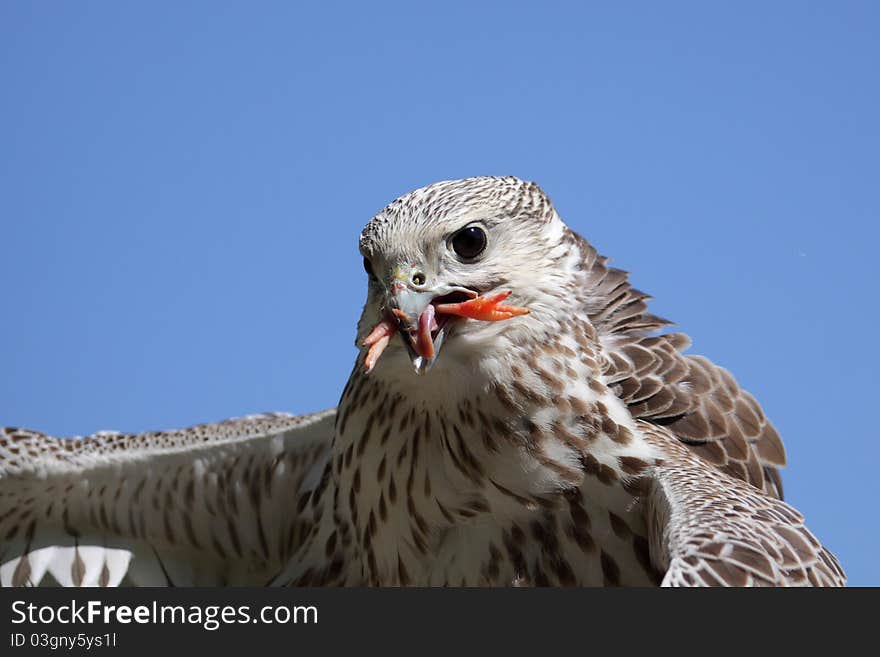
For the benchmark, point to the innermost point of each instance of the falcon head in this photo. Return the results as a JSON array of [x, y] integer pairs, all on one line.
[[429, 253]]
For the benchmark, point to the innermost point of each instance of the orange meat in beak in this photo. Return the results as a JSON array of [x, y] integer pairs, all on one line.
[[424, 342], [486, 309], [377, 340]]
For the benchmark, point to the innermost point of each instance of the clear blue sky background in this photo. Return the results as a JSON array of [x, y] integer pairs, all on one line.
[[182, 187]]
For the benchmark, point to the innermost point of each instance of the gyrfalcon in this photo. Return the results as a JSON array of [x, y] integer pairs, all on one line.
[[515, 416]]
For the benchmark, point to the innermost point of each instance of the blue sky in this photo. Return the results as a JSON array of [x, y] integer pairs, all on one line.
[[182, 187]]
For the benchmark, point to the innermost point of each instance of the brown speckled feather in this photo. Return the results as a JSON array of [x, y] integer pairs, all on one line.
[[709, 529], [699, 402]]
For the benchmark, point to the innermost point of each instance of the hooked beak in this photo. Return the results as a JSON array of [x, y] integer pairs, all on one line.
[[421, 328]]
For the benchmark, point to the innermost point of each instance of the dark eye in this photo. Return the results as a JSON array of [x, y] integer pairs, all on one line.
[[469, 242], [368, 267]]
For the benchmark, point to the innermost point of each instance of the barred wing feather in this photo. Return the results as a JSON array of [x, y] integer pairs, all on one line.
[[213, 504]]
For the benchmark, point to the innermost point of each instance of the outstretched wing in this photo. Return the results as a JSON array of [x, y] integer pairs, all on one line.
[[698, 401], [709, 529], [214, 504]]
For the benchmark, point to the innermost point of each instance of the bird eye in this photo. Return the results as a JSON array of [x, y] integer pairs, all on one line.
[[469, 242], [368, 267]]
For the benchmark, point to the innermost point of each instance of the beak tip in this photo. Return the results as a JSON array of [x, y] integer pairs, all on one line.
[[422, 365]]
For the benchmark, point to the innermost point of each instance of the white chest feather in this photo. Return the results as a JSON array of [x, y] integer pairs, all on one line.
[[533, 481]]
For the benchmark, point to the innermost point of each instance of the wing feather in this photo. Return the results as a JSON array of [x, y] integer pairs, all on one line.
[[210, 504], [709, 529], [700, 402]]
